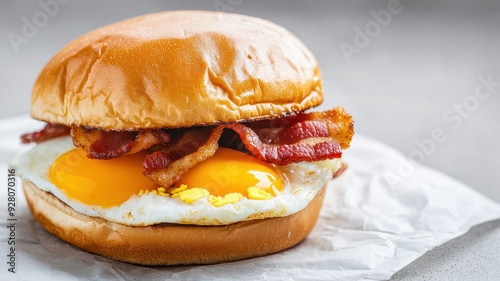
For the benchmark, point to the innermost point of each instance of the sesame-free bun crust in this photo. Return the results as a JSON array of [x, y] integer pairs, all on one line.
[[171, 244], [177, 69]]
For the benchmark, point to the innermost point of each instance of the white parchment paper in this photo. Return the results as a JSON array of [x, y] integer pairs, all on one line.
[[379, 216]]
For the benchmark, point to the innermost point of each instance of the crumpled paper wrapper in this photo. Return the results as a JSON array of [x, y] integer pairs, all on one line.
[[379, 216]]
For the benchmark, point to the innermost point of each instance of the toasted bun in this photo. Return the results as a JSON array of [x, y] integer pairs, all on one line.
[[171, 244], [177, 69]]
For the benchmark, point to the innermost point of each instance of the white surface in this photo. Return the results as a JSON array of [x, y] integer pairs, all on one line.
[[369, 226], [426, 60]]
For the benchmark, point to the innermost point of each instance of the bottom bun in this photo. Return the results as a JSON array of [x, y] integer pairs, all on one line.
[[171, 244]]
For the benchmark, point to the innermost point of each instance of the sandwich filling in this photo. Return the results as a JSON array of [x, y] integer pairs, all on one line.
[[204, 175], [122, 196]]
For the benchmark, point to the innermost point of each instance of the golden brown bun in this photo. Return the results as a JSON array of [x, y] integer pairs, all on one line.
[[171, 244], [177, 69]]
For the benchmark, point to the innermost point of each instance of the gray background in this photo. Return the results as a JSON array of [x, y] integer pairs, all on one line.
[[420, 66]]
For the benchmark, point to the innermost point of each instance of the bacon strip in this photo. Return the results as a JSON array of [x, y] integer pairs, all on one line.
[[303, 130], [101, 144], [50, 131], [184, 142], [311, 149], [182, 156], [339, 122], [335, 123]]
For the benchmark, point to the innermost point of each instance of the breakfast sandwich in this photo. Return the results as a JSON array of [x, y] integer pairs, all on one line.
[[182, 138]]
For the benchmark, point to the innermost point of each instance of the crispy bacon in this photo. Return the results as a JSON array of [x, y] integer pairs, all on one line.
[[308, 137], [184, 142], [310, 149], [193, 147], [101, 144], [50, 131], [303, 130], [156, 161], [339, 122], [335, 123], [302, 137]]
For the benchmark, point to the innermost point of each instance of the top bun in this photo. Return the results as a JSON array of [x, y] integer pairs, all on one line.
[[177, 69]]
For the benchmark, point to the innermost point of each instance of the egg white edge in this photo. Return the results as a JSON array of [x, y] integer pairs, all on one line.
[[302, 181]]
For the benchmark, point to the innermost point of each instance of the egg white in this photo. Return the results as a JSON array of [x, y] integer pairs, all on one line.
[[302, 181]]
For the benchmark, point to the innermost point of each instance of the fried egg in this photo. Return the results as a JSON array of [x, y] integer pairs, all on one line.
[[226, 188]]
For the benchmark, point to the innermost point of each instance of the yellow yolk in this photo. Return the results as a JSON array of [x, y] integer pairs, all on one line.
[[229, 171], [103, 183]]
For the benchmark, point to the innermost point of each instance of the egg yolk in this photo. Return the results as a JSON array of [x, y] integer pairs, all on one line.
[[229, 171], [104, 183]]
